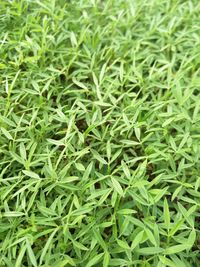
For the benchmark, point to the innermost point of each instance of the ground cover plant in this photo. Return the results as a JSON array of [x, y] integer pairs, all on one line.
[[99, 133]]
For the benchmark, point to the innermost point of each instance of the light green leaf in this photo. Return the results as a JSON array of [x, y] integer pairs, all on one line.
[[20, 256], [167, 261], [106, 259], [150, 251], [6, 133], [123, 244], [137, 239], [117, 186], [151, 236], [166, 215], [98, 156], [31, 253], [94, 260], [47, 245], [176, 249], [79, 245], [31, 174]]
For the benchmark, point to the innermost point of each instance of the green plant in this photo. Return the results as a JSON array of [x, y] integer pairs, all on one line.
[[99, 133]]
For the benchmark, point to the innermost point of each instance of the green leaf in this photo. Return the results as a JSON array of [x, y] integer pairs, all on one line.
[[126, 211], [31, 253], [13, 214], [176, 227], [137, 239], [137, 133], [64, 263], [167, 261], [22, 151], [117, 186], [150, 236], [79, 245], [166, 215], [150, 251], [31, 174], [99, 239], [20, 256], [94, 260], [126, 169], [106, 259], [123, 244], [6, 133], [176, 249], [79, 84], [192, 238], [47, 245], [80, 167], [118, 262], [98, 157]]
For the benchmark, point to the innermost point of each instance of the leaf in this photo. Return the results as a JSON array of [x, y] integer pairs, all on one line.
[[117, 186], [150, 236], [123, 244], [79, 245], [176, 227], [69, 179], [88, 171], [176, 192], [16, 157], [136, 241], [106, 259], [64, 263], [126, 211], [47, 245], [56, 142], [102, 72], [82, 210], [160, 194], [168, 121], [118, 262], [94, 260], [22, 151], [121, 71], [108, 150], [31, 174], [137, 133], [116, 155], [80, 167], [31, 253], [166, 215], [176, 249], [97, 86], [99, 239], [13, 214], [177, 91], [129, 142], [79, 84], [150, 250], [7, 121], [192, 238], [167, 261], [98, 157], [125, 169], [73, 39], [137, 222], [6, 133], [177, 261], [20, 256]]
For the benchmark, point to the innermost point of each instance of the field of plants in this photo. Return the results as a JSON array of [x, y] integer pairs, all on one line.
[[100, 133]]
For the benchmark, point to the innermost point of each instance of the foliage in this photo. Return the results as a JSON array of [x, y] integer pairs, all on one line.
[[99, 133]]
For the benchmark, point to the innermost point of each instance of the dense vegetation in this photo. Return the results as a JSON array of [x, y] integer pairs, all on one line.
[[99, 133]]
